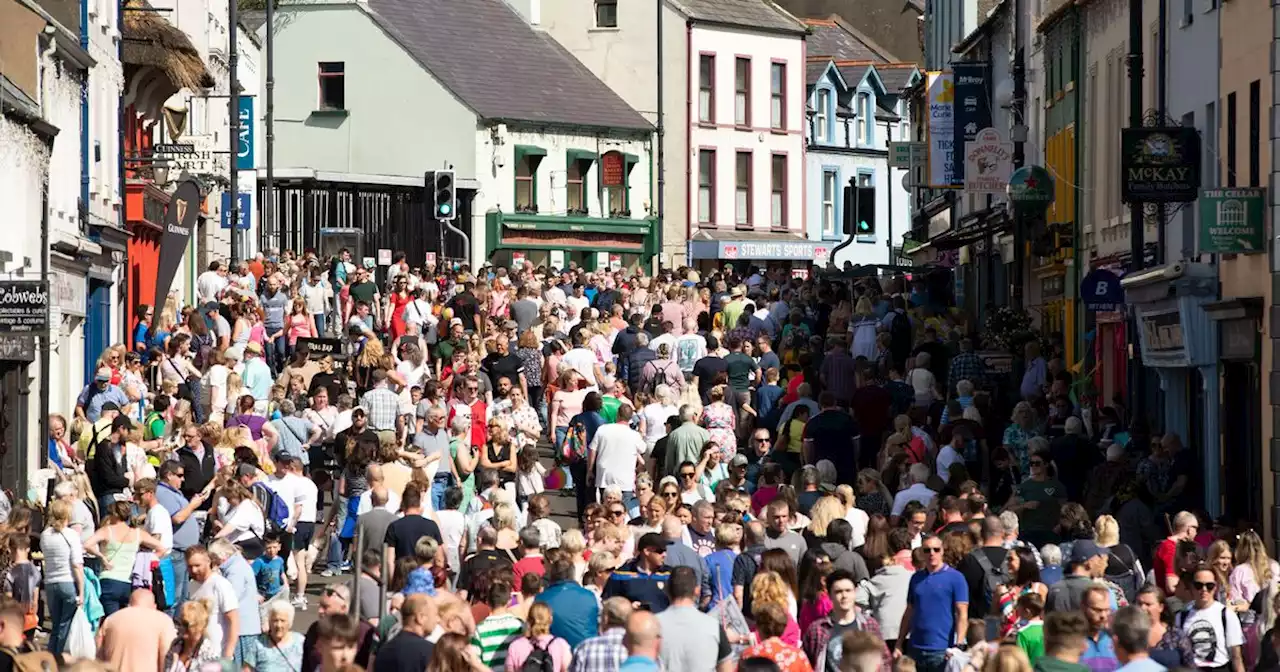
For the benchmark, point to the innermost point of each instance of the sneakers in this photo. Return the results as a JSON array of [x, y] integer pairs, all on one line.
[[300, 602], [328, 573]]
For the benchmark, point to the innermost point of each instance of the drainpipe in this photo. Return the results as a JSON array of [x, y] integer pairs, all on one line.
[[690, 213], [84, 113], [662, 154]]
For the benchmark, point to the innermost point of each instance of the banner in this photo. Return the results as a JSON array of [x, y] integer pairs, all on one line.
[[244, 151], [972, 110], [940, 168], [179, 220]]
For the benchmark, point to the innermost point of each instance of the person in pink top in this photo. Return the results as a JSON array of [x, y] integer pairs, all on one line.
[[300, 323], [537, 636]]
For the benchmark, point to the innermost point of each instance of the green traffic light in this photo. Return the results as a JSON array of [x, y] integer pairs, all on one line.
[[445, 209], [863, 226]]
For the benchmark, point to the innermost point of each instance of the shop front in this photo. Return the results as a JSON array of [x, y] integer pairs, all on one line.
[[712, 250], [144, 209], [17, 431], [1179, 341], [1240, 378], [592, 243]]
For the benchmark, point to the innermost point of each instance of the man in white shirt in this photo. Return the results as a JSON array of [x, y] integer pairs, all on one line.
[[616, 452], [159, 524], [583, 360], [211, 283], [952, 452], [207, 584], [918, 473], [576, 303], [373, 474], [303, 498]]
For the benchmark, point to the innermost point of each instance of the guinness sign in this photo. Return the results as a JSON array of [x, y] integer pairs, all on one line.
[[179, 221], [1160, 164]]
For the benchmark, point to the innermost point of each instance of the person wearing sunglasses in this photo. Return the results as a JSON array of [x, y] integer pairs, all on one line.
[[1038, 500], [937, 613], [1214, 630]]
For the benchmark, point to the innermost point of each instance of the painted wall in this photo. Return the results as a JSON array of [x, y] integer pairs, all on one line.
[[624, 59], [106, 82], [946, 23], [759, 139], [1192, 57], [433, 128], [497, 178]]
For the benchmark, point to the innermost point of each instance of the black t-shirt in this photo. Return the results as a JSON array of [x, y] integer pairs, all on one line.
[[806, 500], [498, 366], [976, 577], [405, 651], [405, 533], [341, 438], [480, 561], [331, 382], [465, 306], [705, 371], [833, 433]]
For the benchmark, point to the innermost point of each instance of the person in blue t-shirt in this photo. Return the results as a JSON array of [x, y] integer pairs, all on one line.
[[268, 569], [937, 614], [142, 332]]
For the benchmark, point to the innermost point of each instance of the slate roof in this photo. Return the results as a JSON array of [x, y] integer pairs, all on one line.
[[759, 14], [814, 70], [828, 39], [895, 76], [853, 72], [499, 66]]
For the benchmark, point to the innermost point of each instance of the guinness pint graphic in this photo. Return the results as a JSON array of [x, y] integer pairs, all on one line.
[[179, 220]]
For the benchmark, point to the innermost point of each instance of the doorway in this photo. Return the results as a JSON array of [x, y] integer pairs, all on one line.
[[1242, 442]]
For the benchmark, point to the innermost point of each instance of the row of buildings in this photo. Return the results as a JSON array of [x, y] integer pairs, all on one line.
[[1204, 348]]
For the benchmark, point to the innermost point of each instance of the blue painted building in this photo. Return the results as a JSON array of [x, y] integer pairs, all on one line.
[[855, 109]]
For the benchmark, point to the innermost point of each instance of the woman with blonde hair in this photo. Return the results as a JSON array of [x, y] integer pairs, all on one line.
[[538, 637], [63, 571], [769, 588], [117, 544], [234, 390], [193, 649], [825, 510], [504, 522], [574, 543], [864, 326], [1007, 658], [1221, 560], [1254, 572], [857, 518], [1123, 567]]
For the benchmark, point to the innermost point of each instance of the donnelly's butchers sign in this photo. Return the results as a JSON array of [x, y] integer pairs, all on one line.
[[24, 306]]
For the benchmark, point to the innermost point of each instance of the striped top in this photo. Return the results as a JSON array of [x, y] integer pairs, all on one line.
[[493, 635]]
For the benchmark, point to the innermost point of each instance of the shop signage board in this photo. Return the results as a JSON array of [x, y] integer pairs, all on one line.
[[384, 257], [612, 169], [319, 348], [199, 156], [615, 262], [246, 209], [971, 111], [67, 293], [941, 95], [1162, 333], [24, 306], [1160, 164], [430, 259], [1031, 189], [557, 259], [906, 155], [1100, 290], [17, 348], [988, 163], [798, 250], [1233, 221], [517, 260], [244, 151]]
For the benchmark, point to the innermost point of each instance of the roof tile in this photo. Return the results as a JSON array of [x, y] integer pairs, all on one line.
[[499, 66], [830, 40], [746, 13]]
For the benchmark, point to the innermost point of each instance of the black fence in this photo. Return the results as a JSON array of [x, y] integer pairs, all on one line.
[[390, 217]]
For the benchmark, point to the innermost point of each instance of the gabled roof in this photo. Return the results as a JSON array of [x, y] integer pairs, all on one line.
[[896, 77], [835, 38], [816, 70], [758, 14], [499, 66]]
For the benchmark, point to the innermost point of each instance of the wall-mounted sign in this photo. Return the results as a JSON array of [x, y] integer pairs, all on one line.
[[517, 260], [557, 259], [1233, 221], [1160, 164], [906, 155], [941, 95], [430, 259], [246, 209], [67, 293], [1100, 290], [1031, 189], [612, 169], [972, 112], [1162, 333], [988, 163], [384, 257], [196, 157], [244, 152], [24, 306]]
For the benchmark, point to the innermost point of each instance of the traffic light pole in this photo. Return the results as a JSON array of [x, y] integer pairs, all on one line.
[[847, 221]]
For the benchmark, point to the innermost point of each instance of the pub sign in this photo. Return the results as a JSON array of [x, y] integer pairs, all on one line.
[[1160, 164]]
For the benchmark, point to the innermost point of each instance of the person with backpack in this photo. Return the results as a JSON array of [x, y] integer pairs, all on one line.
[[1123, 567], [984, 568], [538, 650], [661, 370]]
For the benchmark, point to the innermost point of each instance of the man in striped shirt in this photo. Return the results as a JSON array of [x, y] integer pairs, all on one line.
[[605, 652], [498, 630]]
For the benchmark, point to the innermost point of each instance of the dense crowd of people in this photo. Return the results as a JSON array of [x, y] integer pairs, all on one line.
[[767, 472]]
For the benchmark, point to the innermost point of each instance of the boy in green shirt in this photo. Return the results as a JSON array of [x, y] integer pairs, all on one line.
[[1030, 634], [1064, 633]]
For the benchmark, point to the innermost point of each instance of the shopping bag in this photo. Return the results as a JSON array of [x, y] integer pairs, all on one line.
[[80, 639]]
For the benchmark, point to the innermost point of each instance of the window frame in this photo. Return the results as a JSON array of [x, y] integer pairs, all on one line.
[[323, 74], [707, 88], [821, 115], [779, 95], [779, 190], [581, 188], [532, 179], [830, 177], [863, 103], [742, 89], [597, 7], [743, 220], [707, 182]]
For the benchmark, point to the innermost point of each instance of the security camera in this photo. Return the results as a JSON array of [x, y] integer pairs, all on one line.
[[49, 29]]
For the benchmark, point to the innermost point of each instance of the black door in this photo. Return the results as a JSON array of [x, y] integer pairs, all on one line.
[[1242, 443]]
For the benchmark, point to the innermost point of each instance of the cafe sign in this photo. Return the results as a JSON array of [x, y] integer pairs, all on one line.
[[612, 169], [1233, 221], [1160, 164]]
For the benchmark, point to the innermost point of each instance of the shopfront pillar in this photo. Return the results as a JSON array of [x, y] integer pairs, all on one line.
[[1212, 444]]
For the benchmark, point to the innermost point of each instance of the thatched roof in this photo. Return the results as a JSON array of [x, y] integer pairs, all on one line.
[[149, 39]]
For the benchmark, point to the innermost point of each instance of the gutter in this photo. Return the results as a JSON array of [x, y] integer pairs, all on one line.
[[690, 191], [84, 120]]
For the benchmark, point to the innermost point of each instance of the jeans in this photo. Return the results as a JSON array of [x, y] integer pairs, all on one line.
[[105, 502], [61, 599], [561, 433], [197, 408], [278, 353], [928, 661], [320, 324], [438, 485], [178, 559], [583, 492], [115, 595], [539, 402]]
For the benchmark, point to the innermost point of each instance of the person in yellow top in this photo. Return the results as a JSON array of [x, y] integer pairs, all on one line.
[[98, 431], [793, 432]]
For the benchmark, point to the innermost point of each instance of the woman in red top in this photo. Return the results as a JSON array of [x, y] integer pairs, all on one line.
[[396, 302]]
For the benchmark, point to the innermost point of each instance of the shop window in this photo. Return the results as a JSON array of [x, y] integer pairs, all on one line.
[[575, 185], [706, 186], [706, 88], [742, 92], [742, 190], [778, 191], [526, 188], [333, 89]]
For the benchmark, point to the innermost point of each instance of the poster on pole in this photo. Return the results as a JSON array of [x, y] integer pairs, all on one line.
[[179, 220], [941, 95]]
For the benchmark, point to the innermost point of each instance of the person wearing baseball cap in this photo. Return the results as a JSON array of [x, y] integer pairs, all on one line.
[[107, 467], [644, 578], [99, 393], [1085, 565]]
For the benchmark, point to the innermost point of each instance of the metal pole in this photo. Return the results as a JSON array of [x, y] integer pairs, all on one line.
[[269, 195], [357, 569], [662, 144], [466, 240], [233, 115], [849, 220], [46, 342], [1019, 143], [1137, 390], [893, 259], [1161, 110]]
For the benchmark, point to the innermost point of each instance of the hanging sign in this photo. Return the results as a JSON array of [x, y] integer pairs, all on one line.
[[941, 97], [1160, 165], [988, 163], [517, 259], [244, 151], [612, 169], [1233, 221], [615, 262], [971, 110], [24, 306], [179, 220], [1100, 290]]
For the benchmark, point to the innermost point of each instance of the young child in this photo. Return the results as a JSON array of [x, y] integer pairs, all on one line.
[[1030, 634], [268, 569], [273, 405], [540, 517], [22, 580]]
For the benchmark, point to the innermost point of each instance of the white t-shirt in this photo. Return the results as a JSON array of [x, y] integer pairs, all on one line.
[[617, 446], [215, 387], [416, 312], [1204, 627], [160, 525], [859, 520], [209, 285], [584, 362], [655, 421], [287, 488], [222, 597], [366, 502], [247, 521], [306, 494], [915, 493], [82, 516], [575, 304], [62, 551], [947, 456], [452, 526]]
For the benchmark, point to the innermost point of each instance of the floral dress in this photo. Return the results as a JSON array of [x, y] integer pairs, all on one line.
[[718, 419], [205, 653], [1016, 438], [527, 417], [787, 658]]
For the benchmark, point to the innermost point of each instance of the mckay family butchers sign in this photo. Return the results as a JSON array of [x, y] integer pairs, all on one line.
[[798, 250]]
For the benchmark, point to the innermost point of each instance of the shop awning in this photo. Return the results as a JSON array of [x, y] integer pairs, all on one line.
[[521, 151], [733, 245], [580, 155]]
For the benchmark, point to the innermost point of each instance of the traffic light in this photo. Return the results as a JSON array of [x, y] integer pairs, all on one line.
[[866, 220], [445, 198]]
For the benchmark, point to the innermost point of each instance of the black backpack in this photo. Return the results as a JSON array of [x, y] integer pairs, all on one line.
[[993, 576], [1121, 556], [539, 659]]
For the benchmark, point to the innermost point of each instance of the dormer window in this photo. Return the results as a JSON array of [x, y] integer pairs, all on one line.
[[864, 119], [821, 117]]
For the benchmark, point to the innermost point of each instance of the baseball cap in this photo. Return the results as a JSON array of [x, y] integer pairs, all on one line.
[[739, 460], [456, 320], [651, 540], [209, 307], [122, 422], [103, 375], [1083, 550], [358, 410], [111, 406]]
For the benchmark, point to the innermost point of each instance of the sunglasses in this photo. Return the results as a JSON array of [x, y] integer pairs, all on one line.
[[1204, 586], [933, 549], [180, 474], [687, 474], [1036, 463], [670, 494], [617, 512]]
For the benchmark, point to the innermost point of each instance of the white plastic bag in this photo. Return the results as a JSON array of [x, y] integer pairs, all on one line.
[[80, 640]]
